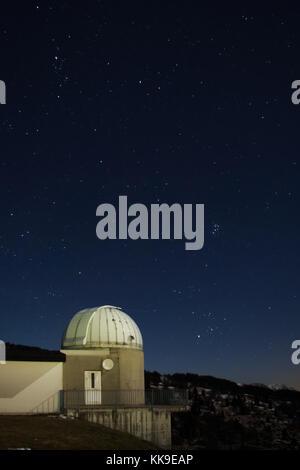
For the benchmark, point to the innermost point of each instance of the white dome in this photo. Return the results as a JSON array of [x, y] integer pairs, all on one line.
[[99, 327]]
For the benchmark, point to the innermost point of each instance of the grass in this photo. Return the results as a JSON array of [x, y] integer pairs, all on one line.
[[57, 433]]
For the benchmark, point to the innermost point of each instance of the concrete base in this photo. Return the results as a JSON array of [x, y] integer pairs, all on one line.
[[148, 423]]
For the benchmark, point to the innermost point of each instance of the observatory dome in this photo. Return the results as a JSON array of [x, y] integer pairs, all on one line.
[[99, 327]]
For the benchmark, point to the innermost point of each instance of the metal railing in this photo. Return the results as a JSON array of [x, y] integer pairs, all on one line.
[[52, 404], [166, 397], [97, 398]]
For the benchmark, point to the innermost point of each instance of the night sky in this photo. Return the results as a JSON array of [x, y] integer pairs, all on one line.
[[162, 102]]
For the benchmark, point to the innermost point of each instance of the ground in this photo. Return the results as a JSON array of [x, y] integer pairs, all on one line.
[[54, 432]]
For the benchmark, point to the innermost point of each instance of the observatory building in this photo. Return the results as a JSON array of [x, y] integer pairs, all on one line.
[[104, 354], [98, 375]]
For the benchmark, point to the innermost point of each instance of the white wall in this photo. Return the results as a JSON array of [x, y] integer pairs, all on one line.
[[30, 387]]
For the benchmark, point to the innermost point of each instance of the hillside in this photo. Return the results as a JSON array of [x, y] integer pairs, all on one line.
[[225, 415], [53, 432]]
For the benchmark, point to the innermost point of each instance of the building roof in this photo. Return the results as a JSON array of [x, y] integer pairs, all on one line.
[[18, 352], [99, 327]]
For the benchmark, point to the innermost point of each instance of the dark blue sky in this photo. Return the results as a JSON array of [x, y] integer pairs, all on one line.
[[164, 102]]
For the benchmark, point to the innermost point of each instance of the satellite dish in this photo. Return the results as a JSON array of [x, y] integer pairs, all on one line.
[[108, 364]]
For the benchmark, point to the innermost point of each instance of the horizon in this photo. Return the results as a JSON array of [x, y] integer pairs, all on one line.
[[268, 385]]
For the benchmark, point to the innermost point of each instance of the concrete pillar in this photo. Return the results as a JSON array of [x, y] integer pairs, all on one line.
[[150, 424]]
